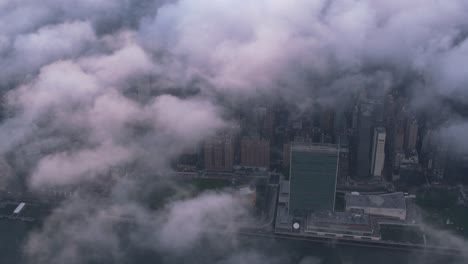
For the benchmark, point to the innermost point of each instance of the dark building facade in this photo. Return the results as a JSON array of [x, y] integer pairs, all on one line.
[[255, 152], [363, 161], [313, 176], [219, 153]]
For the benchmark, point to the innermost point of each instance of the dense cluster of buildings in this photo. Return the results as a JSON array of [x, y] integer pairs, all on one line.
[[307, 201], [380, 139], [370, 144]]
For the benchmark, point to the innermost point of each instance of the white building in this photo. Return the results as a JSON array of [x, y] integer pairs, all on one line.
[[378, 152], [386, 205]]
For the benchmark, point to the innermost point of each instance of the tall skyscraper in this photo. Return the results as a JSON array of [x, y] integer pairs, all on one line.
[[411, 134], [378, 152], [313, 174], [327, 120], [343, 164], [219, 153], [399, 137], [364, 141], [286, 154], [255, 152], [439, 161]]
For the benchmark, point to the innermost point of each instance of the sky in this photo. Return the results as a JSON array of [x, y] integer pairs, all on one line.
[[92, 86]]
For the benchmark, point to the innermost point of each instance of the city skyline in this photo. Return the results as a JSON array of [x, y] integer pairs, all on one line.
[[169, 131]]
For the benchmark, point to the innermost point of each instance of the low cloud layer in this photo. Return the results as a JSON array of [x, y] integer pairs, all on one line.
[[97, 232], [90, 87]]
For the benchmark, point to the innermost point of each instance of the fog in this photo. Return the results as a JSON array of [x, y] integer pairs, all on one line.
[[89, 87]]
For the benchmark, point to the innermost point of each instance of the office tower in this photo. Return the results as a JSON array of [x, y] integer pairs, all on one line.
[[343, 164], [339, 121], [389, 107], [188, 160], [438, 163], [313, 174], [399, 136], [378, 152], [255, 152], [219, 153], [364, 141], [426, 141], [411, 134], [355, 117], [286, 155], [327, 120]]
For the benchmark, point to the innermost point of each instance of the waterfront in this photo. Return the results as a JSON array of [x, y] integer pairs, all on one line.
[[251, 250]]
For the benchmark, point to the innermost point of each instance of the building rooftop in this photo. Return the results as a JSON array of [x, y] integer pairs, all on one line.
[[313, 147], [284, 188], [380, 129], [389, 200], [343, 218]]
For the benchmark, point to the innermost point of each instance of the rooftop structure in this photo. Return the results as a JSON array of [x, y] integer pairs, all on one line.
[[378, 152], [386, 205], [341, 224], [284, 192], [19, 208]]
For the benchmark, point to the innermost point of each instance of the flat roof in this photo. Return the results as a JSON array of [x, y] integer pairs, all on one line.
[[284, 187], [343, 218], [314, 147], [380, 129], [389, 200]]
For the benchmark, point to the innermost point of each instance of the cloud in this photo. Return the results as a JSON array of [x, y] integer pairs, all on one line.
[[249, 47], [30, 51], [95, 85], [188, 222], [70, 168], [83, 230]]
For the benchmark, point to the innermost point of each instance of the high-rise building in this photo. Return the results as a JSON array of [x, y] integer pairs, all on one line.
[[364, 142], [426, 141], [268, 125], [313, 175], [327, 120], [219, 153], [399, 136], [439, 161], [339, 121], [286, 155], [411, 134], [343, 164], [255, 152], [378, 152]]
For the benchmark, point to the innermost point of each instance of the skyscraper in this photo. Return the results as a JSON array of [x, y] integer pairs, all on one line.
[[411, 134], [343, 164], [286, 154], [327, 120], [364, 141], [378, 152], [255, 152], [313, 174]]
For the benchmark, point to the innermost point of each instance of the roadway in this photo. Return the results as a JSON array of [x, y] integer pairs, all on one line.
[[361, 243]]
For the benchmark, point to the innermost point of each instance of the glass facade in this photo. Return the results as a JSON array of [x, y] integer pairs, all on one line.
[[313, 174]]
